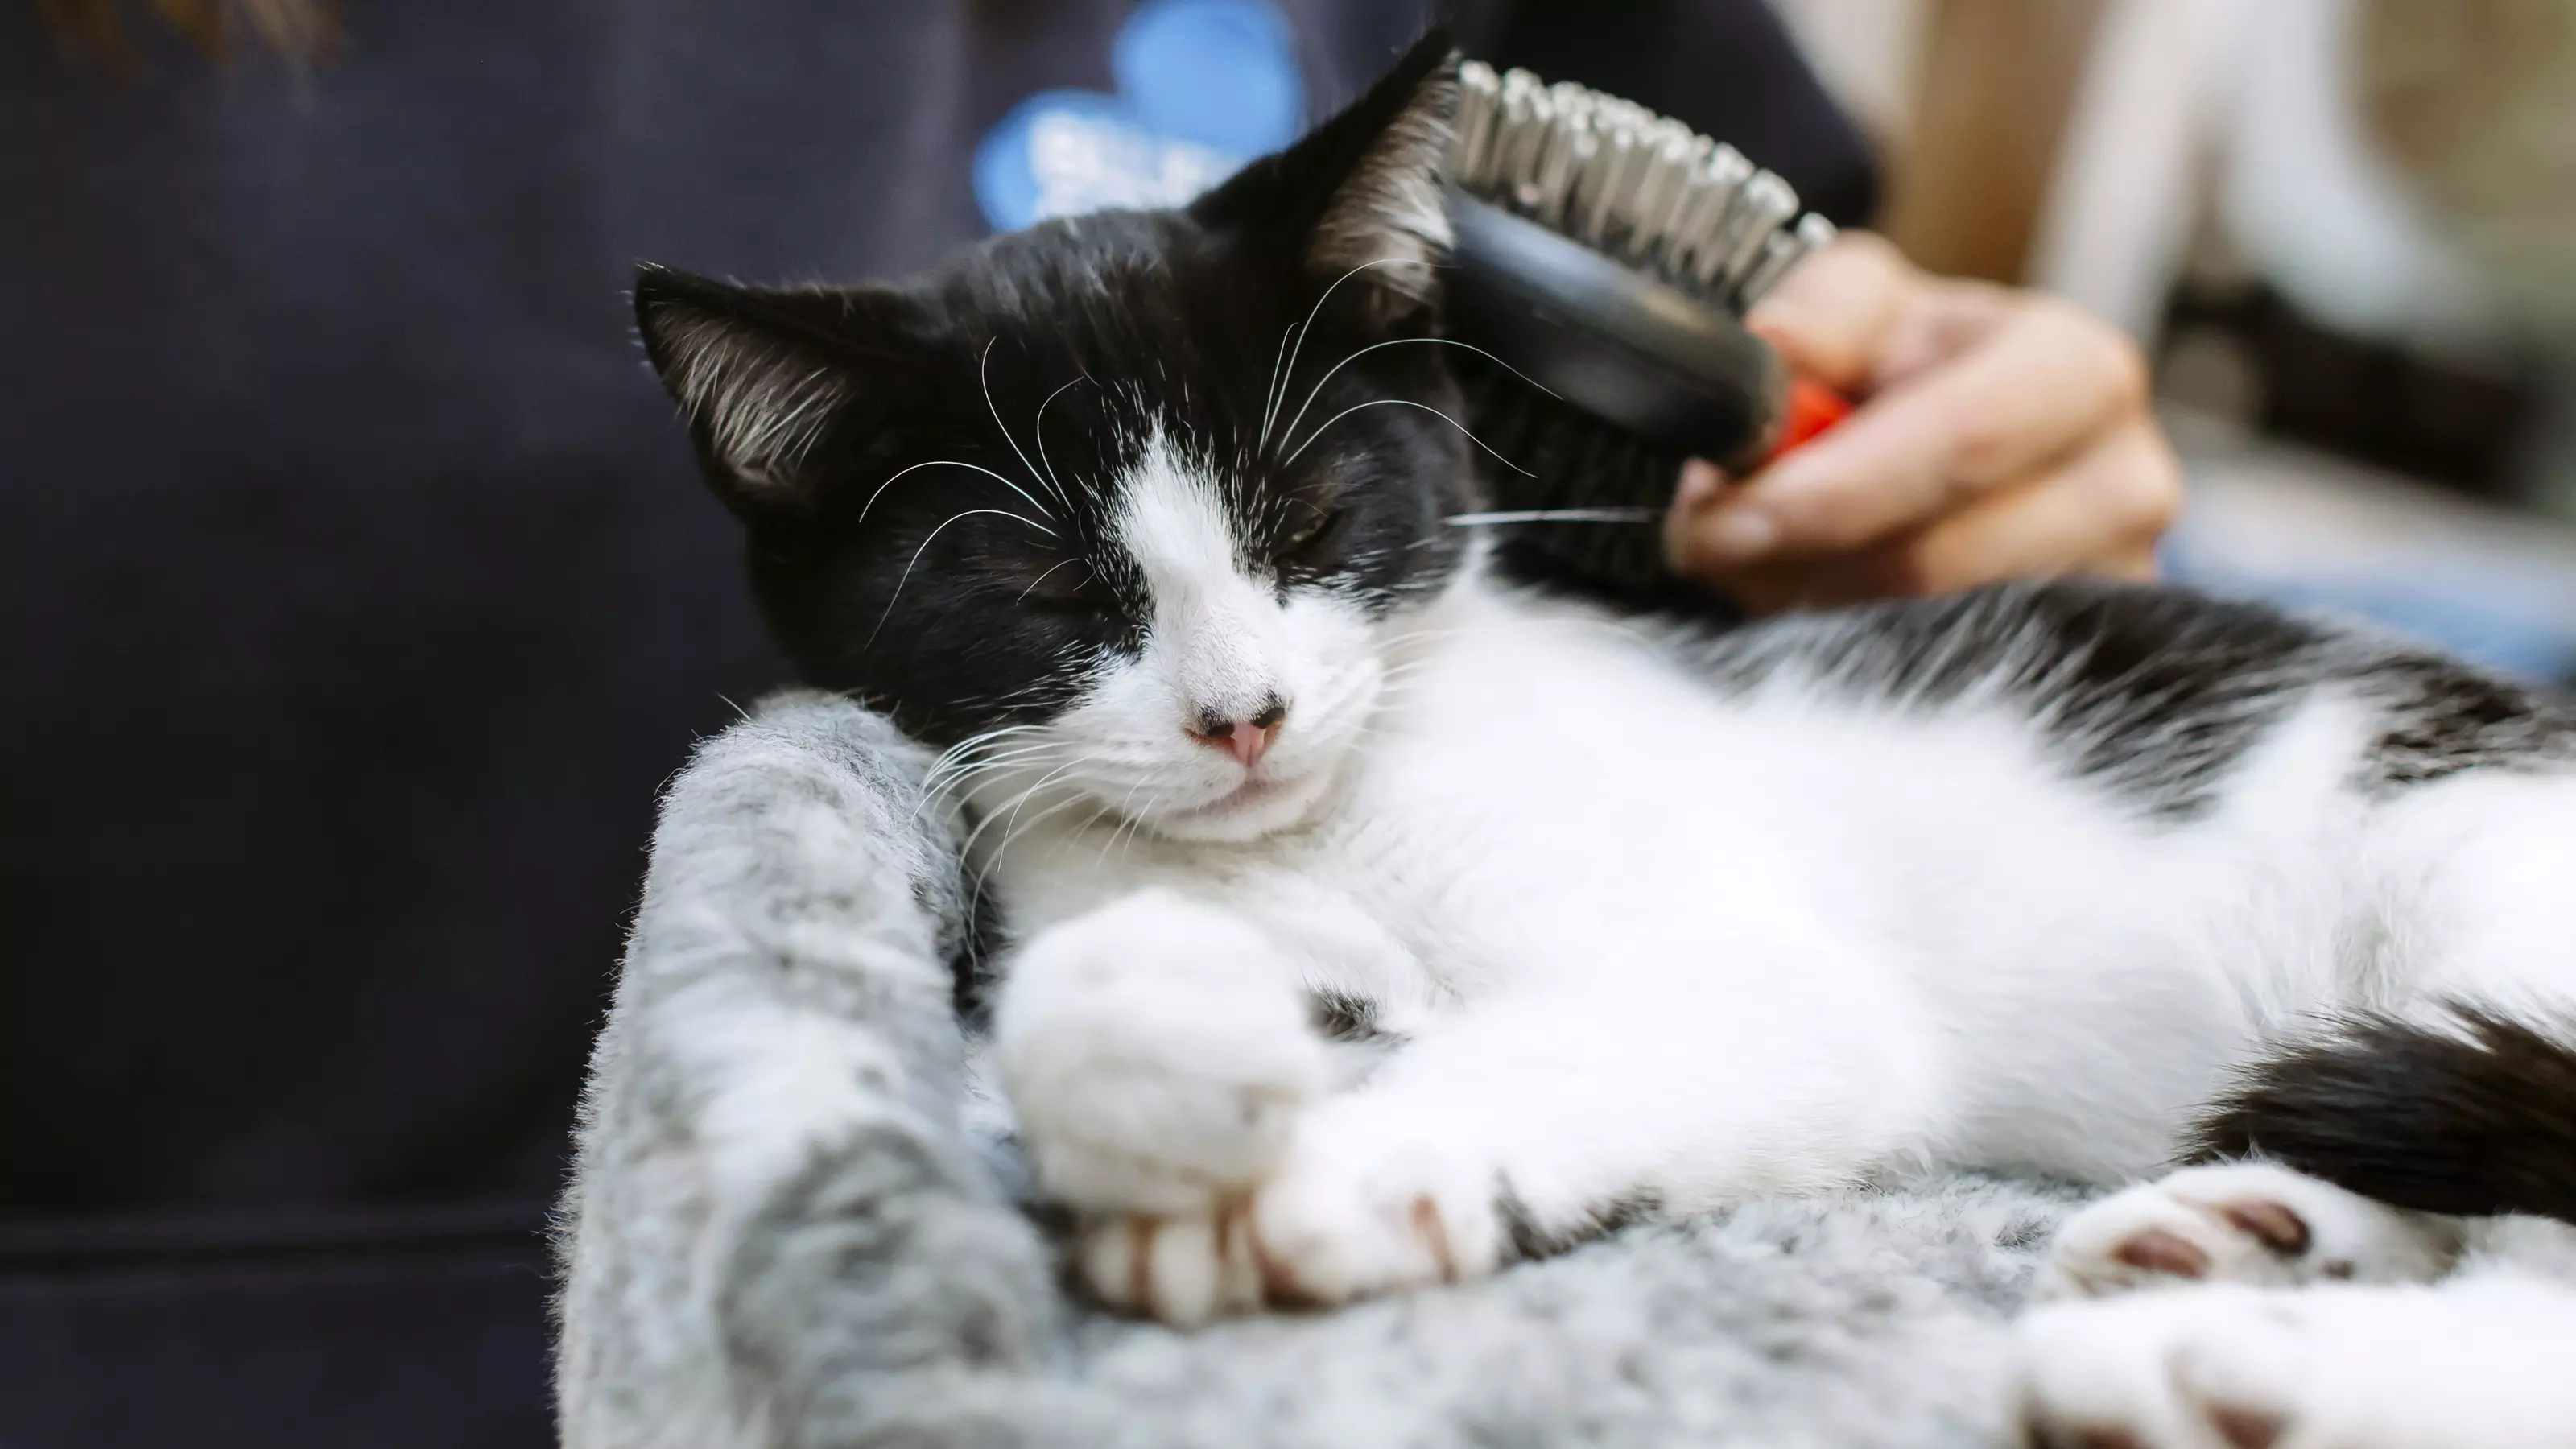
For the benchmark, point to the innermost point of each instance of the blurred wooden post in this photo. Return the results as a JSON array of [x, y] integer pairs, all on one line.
[[1998, 77]]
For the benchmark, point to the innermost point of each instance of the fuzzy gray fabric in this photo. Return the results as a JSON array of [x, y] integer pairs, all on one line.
[[782, 1233]]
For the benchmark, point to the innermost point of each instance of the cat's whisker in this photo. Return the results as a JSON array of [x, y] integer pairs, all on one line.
[[1017, 758], [1270, 394], [1010, 831], [1037, 435], [1410, 636], [959, 778], [938, 798], [983, 379], [974, 742], [979, 740], [1408, 670], [1042, 578], [925, 548], [1004, 849], [1137, 825], [953, 754], [1317, 390], [1406, 402], [1126, 823], [954, 463], [939, 782], [1553, 515], [1128, 820], [966, 848], [983, 874], [1270, 414]]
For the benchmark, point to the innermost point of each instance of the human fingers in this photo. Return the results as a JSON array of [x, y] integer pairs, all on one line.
[[2101, 513], [2040, 387]]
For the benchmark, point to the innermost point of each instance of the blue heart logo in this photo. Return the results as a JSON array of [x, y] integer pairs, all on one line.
[[1203, 86]]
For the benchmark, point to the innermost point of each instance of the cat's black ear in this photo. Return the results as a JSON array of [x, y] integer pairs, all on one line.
[[764, 376], [1364, 190]]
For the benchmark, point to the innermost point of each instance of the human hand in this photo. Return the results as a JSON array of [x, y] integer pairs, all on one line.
[[2000, 434]]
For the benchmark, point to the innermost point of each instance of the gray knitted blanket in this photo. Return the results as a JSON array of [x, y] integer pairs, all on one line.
[[783, 1230]]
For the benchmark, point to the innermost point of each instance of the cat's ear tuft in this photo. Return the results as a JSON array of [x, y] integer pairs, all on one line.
[[1390, 214], [1367, 185], [760, 374]]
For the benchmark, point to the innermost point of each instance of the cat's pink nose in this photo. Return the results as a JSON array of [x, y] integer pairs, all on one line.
[[1246, 737]]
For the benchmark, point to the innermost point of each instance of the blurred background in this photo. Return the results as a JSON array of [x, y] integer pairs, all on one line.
[[2344, 229], [360, 592]]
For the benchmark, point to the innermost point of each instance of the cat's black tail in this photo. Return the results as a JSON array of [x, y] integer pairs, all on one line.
[[2473, 1120]]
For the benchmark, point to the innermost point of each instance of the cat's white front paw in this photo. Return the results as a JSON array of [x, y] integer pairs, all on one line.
[[2249, 1222], [1366, 1205], [1357, 1208], [1157, 1054]]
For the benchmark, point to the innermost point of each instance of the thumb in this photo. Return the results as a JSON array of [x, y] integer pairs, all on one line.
[[1831, 316]]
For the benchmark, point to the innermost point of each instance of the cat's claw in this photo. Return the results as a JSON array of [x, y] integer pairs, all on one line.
[[1182, 1269], [2249, 1222], [1348, 1215], [1362, 1207]]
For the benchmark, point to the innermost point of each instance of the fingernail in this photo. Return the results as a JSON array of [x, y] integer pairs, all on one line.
[[1700, 482], [1776, 317], [1735, 535]]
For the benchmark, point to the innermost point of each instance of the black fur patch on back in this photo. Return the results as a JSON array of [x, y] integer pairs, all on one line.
[[2444, 717], [2473, 1121], [2155, 693]]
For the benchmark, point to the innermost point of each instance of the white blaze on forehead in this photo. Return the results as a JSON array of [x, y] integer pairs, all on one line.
[[1215, 628], [1172, 521]]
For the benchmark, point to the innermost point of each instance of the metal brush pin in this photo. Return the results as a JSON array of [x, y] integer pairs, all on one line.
[[1617, 177], [1608, 254]]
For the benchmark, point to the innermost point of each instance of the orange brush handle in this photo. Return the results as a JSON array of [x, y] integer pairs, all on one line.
[[1813, 408]]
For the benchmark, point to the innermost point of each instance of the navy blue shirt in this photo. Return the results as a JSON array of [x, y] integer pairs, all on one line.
[[361, 593]]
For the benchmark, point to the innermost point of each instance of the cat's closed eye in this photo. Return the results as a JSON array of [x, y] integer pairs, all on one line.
[[1314, 537]]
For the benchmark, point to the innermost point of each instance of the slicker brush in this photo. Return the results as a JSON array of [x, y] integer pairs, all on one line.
[[1605, 258]]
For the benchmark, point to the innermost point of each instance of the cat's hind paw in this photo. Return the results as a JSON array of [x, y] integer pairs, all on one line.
[[2480, 1365], [2249, 1222], [2216, 1368]]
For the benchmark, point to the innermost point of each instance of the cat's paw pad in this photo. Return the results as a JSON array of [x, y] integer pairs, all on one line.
[[1357, 1210], [2221, 1368], [2236, 1223], [1157, 1056]]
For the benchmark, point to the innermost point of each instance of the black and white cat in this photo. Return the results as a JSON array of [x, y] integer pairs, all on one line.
[[1372, 921]]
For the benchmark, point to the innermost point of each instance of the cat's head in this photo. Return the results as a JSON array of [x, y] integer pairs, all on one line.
[[1134, 501]]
